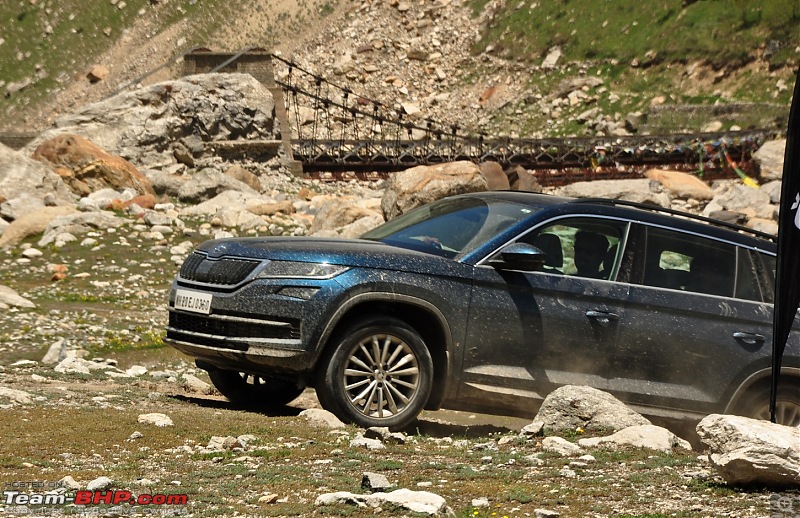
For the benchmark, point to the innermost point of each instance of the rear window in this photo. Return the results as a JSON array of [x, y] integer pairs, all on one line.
[[679, 261]]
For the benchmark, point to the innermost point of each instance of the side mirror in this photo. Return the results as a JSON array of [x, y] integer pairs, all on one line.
[[520, 256]]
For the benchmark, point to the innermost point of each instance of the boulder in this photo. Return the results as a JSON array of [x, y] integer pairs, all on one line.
[[496, 179], [560, 446], [681, 185], [86, 168], [241, 174], [9, 297], [742, 197], [166, 183], [32, 224], [270, 209], [23, 204], [423, 502], [142, 125], [642, 436], [423, 184], [319, 418], [769, 158], [223, 200], [208, 183], [335, 213], [639, 191], [571, 406], [79, 223], [20, 175], [752, 452], [520, 179]]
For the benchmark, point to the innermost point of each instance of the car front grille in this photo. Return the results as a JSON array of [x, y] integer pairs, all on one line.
[[219, 326], [225, 271]]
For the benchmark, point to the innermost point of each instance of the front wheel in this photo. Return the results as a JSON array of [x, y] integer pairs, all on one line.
[[755, 404], [380, 373], [241, 387]]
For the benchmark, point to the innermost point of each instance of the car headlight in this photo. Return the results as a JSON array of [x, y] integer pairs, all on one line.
[[295, 270]]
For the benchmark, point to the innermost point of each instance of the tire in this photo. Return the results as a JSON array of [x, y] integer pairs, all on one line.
[[755, 404], [240, 387], [379, 373]]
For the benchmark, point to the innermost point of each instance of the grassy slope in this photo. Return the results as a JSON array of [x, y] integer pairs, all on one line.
[[78, 35], [722, 32], [745, 48]]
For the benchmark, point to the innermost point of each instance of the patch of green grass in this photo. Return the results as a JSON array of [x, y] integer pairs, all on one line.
[[624, 30]]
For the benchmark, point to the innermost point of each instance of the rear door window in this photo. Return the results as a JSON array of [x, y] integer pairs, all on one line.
[[681, 261]]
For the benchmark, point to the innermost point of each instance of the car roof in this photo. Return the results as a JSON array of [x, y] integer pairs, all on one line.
[[656, 215]]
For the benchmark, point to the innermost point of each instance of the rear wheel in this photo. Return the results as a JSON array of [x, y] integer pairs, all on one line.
[[241, 387], [380, 373], [755, 404]]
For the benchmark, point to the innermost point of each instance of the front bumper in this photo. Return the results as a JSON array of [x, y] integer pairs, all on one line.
[[265, 326]]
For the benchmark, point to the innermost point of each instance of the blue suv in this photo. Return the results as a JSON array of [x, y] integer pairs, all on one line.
[[487, 302]]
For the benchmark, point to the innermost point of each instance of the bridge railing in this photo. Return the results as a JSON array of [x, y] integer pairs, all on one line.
[[336, 129]]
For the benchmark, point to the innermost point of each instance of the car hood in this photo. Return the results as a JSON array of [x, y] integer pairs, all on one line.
[[349, 252]]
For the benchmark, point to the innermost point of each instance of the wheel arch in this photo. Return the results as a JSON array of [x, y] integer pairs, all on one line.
[[757, 379], [424, 317]]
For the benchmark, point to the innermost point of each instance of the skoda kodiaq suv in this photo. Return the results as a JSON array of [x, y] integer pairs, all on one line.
[[487, 302]]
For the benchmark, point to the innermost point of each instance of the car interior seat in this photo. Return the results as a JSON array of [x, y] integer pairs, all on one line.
[[550, 244]]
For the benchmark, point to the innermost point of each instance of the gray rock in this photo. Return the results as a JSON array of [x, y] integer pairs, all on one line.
[[747, 451], [570, 407], [15, 396], [22, 175], [100, 484], [32, 224], [155, 419], [56, 352], [639, 191], [69, 483], [80, 223], [552, 57], [773, 190], [362, 442], [420, 185], [223, 200], [560, 446], [10, 297], [642, 436], [195, 384], [141, 125], [741, 197], [415, 501], [375, 482], [207, 184], [23, 204], [320, 418], [385, 435], [769, 158]]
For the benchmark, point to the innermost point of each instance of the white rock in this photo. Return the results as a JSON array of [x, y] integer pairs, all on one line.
[[642, 436], [155, 419], [748, 451], [12, 298]]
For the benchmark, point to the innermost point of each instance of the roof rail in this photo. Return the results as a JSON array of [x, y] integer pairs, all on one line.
[[674, 212]]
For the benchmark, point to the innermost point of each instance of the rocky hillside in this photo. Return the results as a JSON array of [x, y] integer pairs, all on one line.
[[440, 59]]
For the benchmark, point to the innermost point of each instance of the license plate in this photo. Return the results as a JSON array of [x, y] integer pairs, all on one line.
[[193, 301]]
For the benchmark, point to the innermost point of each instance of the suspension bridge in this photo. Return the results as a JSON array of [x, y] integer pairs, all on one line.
[[330, 131]]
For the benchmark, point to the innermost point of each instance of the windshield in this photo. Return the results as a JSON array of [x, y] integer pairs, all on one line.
[[450, 227]]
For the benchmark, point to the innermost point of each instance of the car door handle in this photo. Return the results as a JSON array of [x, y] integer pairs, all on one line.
[[749, 338], [604, 317]]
